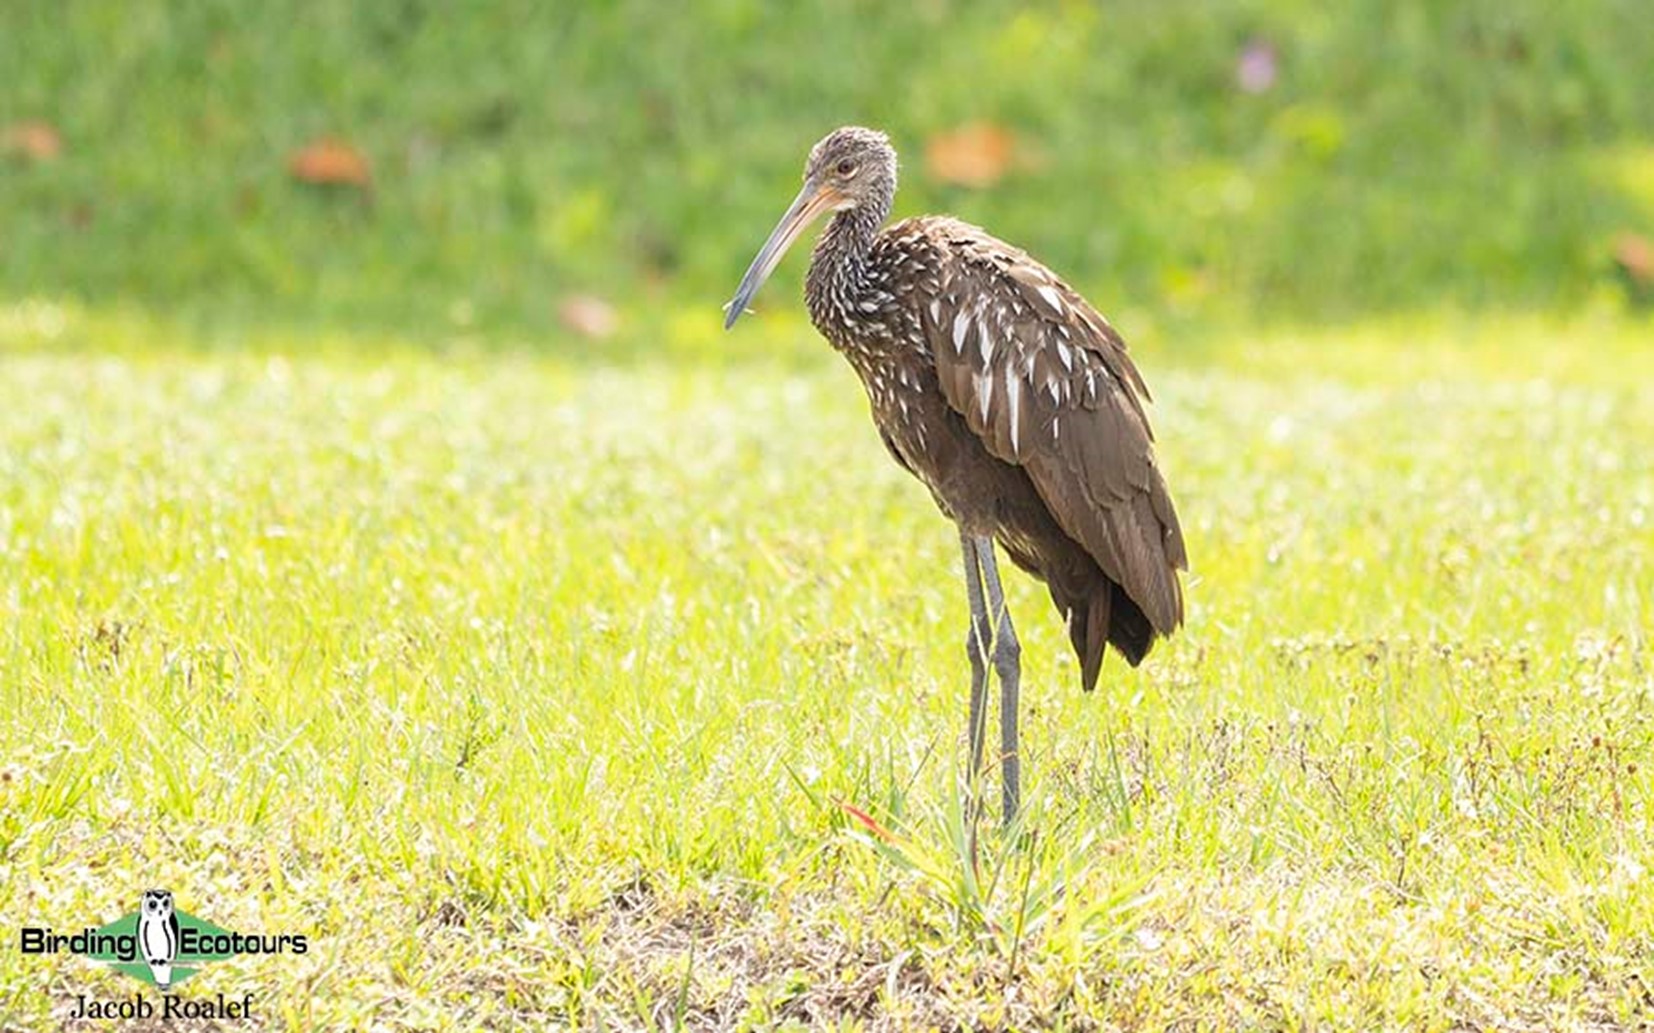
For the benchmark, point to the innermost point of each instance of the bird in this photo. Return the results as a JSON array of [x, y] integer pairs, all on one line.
[[158, 934], [1011, 399]]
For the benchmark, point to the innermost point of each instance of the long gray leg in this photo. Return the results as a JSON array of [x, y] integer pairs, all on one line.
[[977, 640], [1007, 661]]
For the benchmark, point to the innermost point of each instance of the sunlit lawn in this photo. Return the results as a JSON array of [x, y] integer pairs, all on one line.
[[530, 690]]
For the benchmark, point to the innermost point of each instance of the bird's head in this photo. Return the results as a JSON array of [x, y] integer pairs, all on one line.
[[850, 168]]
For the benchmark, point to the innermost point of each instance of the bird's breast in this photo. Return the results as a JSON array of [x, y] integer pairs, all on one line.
[[932, 442]]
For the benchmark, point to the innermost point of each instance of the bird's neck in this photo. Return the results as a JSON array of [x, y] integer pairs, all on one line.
[[838, 268]]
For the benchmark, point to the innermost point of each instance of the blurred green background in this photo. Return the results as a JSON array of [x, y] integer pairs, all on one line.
[[1266, 161]]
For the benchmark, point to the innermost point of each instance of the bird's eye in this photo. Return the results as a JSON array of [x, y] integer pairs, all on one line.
[[845, 168]]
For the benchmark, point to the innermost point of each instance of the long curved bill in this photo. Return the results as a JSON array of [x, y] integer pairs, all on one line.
[[810, 202]]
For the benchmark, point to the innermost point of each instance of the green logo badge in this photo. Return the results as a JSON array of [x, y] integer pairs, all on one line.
[[159, 943]]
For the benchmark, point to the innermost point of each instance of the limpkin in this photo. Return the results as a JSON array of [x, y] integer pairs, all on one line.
[[1011, 398]]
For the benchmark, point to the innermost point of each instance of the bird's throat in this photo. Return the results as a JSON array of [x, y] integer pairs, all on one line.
[[839, 266]]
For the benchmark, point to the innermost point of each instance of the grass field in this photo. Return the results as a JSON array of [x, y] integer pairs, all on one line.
[[530, 689]]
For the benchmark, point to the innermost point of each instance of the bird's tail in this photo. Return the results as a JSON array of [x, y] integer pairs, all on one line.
[[1098, 611], [1102, 616], [1087, 611], [1129, 628]]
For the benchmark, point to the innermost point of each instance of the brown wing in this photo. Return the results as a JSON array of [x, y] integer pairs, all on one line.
[[1045, 382]]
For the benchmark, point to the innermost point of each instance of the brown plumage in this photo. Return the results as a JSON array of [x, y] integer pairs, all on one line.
[[1007, 394]]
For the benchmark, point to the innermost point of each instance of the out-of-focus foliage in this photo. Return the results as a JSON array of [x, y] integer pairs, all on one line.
[[1273, 159]]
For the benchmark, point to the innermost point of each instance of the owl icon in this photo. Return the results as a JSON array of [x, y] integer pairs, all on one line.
[[158, 934]]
